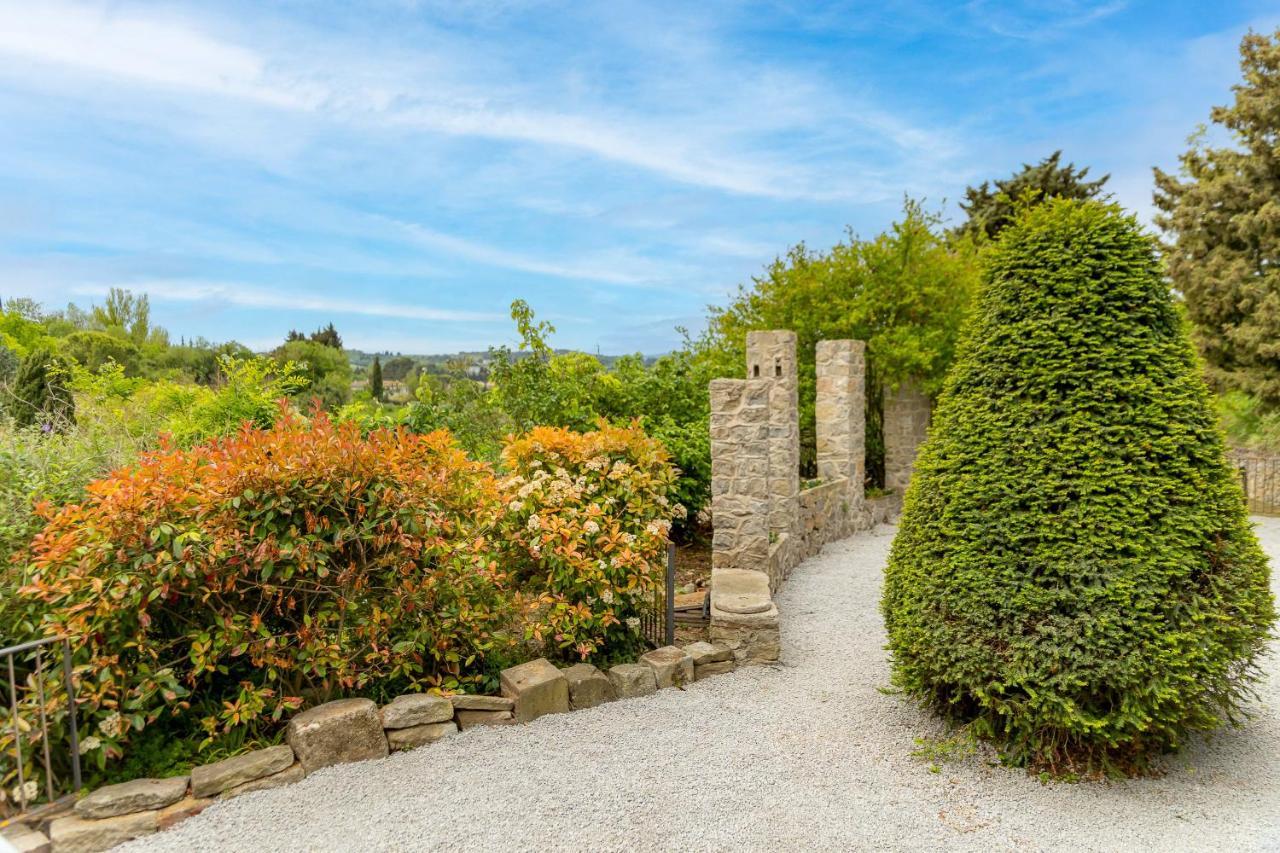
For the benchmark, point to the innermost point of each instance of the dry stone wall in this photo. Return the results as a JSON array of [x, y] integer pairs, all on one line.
[[750, 559], [906, 422]]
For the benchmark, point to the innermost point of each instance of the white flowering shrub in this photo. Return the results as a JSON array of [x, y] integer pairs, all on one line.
[[586, 524]]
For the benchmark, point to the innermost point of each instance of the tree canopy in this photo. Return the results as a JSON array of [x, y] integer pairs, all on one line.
[[1221, 218], [990, 209]]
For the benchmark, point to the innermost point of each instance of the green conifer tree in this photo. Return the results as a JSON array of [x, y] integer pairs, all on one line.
[[1074, 573]]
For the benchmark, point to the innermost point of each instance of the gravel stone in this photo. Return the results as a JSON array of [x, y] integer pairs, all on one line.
[[807, 754]]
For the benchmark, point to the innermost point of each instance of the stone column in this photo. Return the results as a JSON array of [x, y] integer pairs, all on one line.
[[771, 357], [906, 422], [841, 423], [740, 473]]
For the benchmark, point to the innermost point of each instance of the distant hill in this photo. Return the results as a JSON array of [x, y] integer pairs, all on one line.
[[361, 360]]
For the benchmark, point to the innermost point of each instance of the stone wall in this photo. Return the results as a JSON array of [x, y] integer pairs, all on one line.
[[796, 523], [740, 472], [906, 422]]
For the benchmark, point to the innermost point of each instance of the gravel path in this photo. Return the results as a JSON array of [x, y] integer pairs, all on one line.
[[804, 756]]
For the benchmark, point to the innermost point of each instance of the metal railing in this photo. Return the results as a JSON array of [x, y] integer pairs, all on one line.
[[37, 674], [659, 622], [1260, 479]]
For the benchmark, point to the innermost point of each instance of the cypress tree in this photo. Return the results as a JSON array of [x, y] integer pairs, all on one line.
[[1074, 573], [375, 379]]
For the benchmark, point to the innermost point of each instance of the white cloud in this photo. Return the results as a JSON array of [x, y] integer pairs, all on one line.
[[441, 90], [251, 296]]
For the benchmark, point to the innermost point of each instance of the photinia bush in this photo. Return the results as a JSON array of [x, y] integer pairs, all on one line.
[[246, 576], [585, 533]]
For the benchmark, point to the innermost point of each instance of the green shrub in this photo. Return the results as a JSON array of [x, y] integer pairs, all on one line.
[[1074, 573], [39, 396]]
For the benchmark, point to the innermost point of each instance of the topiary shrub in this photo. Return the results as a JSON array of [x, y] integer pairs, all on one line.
[[1074, 573]]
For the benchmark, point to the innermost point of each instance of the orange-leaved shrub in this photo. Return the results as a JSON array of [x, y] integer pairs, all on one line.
[[236, 581], [247, 576], [585, 535]]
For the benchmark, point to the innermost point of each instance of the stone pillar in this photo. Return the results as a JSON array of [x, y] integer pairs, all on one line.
[[771, 357], [906, 422], [740, 473], [841, 423]]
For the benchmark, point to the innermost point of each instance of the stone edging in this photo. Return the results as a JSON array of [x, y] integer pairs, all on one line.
[[347, 730]]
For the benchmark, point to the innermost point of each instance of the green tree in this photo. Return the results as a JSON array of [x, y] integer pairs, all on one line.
[[326, 369], [327, 336], [92, 350], [375, 379], [40, 395], [990, 209], [905, 293], [398, 367], [1074, 573], [1220, 222], [124, 314]]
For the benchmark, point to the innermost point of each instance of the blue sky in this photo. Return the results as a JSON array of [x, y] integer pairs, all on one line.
[[406, 169]]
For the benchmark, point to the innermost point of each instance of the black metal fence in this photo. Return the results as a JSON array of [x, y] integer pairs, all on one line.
[[659, 621], [38, 701], [1260, 478]]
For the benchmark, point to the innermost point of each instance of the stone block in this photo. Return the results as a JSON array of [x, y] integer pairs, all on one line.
[[671, 665], [294, 773], [209, 780], [77, 835], [537, 688], [138, 795], [416, 709], [704, 653], [632, 679], [336, 733], [588, 686], [475, 719], [24, 839], [481, 703], [706, 670], [416, 736], [181, 810]]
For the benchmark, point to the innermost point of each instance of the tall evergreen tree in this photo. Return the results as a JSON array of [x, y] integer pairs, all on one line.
[[1222, 226], [1074, 573], [375, 379], [989, 210]]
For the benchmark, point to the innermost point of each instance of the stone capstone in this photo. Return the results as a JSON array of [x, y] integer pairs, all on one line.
[[481, 703], [76, 835], [129, 797], [209, 780], [416, 736], [632, 679], [473, 719], [588, 686], [336, 733], [703, 653], [671, 665], [741, 591], [537, 688], [293, 773], [416, 709]]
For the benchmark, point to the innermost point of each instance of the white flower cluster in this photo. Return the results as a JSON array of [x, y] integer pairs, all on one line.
[[26, 791], [89, 744], [112, 724]]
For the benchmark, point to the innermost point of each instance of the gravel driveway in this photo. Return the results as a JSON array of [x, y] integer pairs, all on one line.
[[803, 756]]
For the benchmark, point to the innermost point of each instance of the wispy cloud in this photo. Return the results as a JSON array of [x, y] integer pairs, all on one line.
[[258, 296]]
